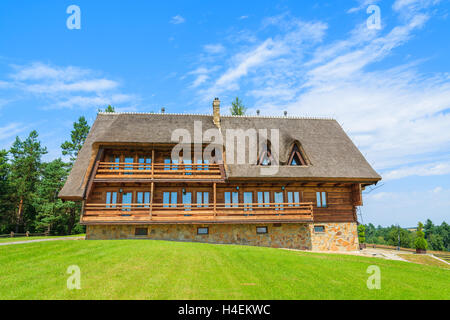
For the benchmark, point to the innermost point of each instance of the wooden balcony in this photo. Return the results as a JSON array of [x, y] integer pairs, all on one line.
[[197, 213], [132, 171]]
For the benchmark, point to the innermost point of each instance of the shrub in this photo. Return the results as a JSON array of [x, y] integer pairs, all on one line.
[[420, 242], [361, 233]]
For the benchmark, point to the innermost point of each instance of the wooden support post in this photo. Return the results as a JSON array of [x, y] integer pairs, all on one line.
[[214, 189], [153, 161], [152, 189]]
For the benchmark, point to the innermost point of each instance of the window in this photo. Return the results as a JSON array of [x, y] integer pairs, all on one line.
[[263, 198], [111, 198], [115, 159], [144, 163], [128, 164], [143, 198], [202, 198], [200, 161], [248, 199], [188, 168], [140, 231], [319, 229], [261, 230], [127, 198], [278, 197], [231, 197], [265, 158], [170, 199], [297, 158], [169, 164], [187, 200], [293, 198], [321, 199], [202, 230]]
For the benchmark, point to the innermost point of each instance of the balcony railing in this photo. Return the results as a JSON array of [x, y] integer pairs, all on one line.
[[122, 170], [179, 213]]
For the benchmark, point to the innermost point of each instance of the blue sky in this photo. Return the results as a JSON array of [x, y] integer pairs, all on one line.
[[389, 87]]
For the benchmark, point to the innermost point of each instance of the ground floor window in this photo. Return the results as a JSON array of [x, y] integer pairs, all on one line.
[[141, 231], [261, 230], [319, 228], [202, 230]]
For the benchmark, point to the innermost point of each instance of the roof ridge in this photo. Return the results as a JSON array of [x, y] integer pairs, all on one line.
[[222, 116]]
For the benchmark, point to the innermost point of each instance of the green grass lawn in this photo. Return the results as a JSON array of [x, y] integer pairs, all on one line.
[[143, 269], [16, 239]]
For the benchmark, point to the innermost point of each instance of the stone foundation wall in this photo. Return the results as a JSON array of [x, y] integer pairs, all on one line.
[[336, 237]]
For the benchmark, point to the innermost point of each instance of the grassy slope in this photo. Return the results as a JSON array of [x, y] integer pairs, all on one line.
[[17, 239], [140, 269]]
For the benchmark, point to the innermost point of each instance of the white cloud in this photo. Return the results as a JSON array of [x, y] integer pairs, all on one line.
[[214, 48], [429, 169], [177, 19], [65, 87], [397, 116], [11, 130]]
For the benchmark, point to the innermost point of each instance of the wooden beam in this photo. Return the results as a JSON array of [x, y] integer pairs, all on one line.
[[93, 173], [152, 189], [214, 188]]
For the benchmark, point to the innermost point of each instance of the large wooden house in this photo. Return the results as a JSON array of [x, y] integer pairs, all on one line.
[[132, 186]]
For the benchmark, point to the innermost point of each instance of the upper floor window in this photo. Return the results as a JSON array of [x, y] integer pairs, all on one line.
[[127, 199], [202, 198], [187, 200], [143, 198], [266, 158], [321, 199], [111, 199], [170, 199], [293, 198], [263, 198], [231, 197], [248, 200], [297, 157], [128, 164], [115, 159], [144, 163], [278, 198]]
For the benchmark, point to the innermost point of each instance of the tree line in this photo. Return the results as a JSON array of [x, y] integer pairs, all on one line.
[[437, 236]]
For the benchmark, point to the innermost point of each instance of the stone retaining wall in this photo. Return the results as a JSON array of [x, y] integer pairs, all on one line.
[[337, 236]]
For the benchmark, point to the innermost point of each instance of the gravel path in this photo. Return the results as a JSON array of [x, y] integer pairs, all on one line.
[[40, 240]]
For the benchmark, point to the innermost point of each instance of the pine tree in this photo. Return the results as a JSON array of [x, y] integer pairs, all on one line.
[[237, 108], [25, 173], [77, 137], [53, 215]]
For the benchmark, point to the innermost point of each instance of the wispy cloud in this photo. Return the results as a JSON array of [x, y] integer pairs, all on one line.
[[10, 130], [177, 19], [397, 116], [65, 87], [214, 48]]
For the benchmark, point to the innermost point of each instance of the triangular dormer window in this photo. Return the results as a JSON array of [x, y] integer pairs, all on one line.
[[266, 158], [297, 158]]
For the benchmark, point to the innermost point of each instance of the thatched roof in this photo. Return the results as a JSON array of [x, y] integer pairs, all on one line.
[[331, 153]]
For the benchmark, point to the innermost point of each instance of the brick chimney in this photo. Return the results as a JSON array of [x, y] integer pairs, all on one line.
[[216, 112]]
